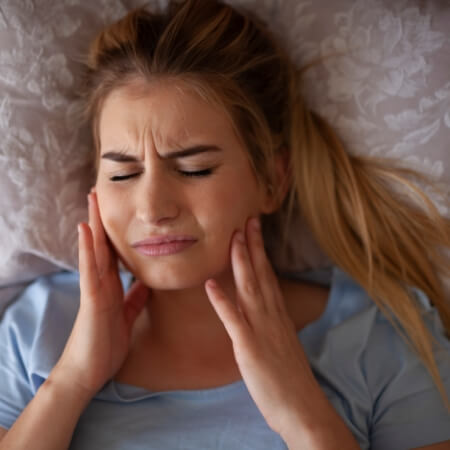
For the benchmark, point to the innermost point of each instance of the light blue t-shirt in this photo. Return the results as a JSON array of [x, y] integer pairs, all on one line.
[[370, 375]]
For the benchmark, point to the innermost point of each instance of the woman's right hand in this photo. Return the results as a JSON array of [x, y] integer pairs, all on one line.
[[101, 335]]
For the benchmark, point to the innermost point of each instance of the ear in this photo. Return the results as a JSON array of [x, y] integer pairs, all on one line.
[[274, 194]]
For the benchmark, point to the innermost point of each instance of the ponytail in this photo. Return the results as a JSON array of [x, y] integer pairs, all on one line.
[[384, 241]]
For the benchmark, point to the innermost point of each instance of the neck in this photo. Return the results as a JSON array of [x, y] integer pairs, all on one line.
[[184, 321]]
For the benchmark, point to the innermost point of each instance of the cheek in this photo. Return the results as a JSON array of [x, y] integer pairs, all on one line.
[[113, 216], [226, 209]]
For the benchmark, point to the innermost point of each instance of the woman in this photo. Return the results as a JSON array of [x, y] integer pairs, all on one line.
[[199, 131]]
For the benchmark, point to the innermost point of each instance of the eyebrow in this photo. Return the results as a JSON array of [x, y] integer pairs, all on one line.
[[121, 156]]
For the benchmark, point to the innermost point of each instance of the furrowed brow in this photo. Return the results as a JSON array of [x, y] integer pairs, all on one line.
[[122, 156]]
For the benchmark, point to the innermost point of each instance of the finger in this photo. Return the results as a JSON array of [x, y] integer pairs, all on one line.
[[135, 300], [232, 319], [87, 265], [102, 248], [268, 282], [247, 287]]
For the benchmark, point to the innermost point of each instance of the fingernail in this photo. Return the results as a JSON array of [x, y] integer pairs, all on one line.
[[240, 237], [79, 228], [89, 198], [255, 223]]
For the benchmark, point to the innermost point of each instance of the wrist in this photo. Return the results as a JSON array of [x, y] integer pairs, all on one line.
[[321, 436], [321, 428], [62, 384]]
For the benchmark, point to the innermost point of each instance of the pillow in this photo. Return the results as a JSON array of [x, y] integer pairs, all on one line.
[[387, 93]]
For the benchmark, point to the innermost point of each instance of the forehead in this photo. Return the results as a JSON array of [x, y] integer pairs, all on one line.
[[171, 112]]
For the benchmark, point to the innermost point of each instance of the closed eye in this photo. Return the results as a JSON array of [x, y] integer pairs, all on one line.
[[122, 177], [198, 173]]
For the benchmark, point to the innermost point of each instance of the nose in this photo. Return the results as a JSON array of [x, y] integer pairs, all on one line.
[[157, 201]]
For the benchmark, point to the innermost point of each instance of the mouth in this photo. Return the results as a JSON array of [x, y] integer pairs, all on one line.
[[163, 239], [164, 248], [164, 244]]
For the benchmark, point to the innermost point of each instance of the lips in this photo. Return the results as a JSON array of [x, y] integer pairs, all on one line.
[[163, 239], [163, 245]]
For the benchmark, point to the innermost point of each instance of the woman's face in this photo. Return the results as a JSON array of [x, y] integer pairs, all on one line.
[[150, 193]]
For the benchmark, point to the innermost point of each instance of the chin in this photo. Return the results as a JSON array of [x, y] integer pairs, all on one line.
[[171, 283], [178, 276]]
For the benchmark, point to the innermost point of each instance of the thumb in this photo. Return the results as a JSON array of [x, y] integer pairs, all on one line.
[[135, 300]]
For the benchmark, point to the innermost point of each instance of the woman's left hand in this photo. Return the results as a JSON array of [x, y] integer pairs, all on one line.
[[268, 352]]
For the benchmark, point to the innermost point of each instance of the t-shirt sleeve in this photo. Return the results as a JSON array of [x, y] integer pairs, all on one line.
[[408, 409], [15, 388], [374, 378], [33, 333]]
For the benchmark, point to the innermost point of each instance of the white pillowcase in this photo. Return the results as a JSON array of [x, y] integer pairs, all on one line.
[[387, 94]]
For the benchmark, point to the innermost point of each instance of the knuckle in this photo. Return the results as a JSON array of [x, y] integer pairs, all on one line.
[[250, 288]]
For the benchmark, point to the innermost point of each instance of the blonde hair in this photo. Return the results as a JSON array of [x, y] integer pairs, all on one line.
[[385, 241]]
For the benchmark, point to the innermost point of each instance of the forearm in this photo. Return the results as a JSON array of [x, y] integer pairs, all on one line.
[[48, 421], [320, 428]]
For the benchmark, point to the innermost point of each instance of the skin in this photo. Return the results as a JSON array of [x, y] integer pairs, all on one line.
[[160, 200]]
